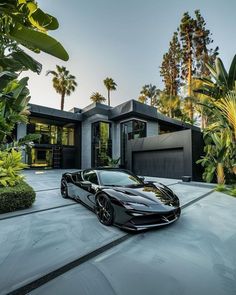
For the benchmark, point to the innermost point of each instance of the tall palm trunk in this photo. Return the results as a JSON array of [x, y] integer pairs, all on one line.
[[220, 173], [62, 101], [108, 97], [190, 81]]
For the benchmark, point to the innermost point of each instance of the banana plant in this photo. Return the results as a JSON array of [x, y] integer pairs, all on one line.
[[14, 109], [23, 22], [220, 82], [216, 151]]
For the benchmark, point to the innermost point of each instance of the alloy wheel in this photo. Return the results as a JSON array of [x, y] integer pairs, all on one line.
[[104, 210]]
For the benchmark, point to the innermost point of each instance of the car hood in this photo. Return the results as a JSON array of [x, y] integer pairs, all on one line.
[[150, 195]]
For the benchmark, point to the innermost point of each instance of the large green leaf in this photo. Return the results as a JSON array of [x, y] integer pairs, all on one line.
[[214, 74], [27, 61], [232, 74], [38, 40], [5, 78], [221, 72]]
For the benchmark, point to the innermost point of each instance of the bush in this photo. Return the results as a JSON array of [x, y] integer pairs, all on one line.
[[232, 192], [20, 196], [10, 167]]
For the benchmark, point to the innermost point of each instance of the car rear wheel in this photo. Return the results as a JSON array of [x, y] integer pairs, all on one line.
[[64, 189], [104, 210]]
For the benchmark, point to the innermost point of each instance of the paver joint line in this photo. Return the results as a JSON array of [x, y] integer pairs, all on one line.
[[45, 190], [38, 211], [52, 275]]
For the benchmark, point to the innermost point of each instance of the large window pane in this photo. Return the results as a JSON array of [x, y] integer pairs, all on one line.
[[101, 143], [52, 134], [130, 130]]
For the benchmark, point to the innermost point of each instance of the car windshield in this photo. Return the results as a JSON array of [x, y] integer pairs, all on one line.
[[118, 178]]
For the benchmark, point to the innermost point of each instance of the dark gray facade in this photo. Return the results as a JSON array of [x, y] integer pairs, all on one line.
[[135, 132], [171, 155]]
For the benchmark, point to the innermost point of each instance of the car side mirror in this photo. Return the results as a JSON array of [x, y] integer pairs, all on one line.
[[142, 179], [86, 185], [149, 182]]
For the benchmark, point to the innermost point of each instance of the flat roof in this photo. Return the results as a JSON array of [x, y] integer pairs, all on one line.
[[126, 110], [46, 112]]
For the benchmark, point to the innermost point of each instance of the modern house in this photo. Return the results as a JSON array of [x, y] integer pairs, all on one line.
[[132, 131]]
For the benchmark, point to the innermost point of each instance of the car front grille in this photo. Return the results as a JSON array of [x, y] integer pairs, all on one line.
[[161, 218]]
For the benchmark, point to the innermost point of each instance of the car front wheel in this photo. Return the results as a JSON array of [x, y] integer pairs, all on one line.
[[104, 210], [64, 189]]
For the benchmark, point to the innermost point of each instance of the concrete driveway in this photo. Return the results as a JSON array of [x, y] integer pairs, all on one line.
[[59, 247]]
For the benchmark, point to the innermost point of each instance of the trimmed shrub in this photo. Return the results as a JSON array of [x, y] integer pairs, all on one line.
[[20, 196]]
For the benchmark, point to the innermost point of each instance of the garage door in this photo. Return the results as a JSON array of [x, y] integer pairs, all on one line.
[[161, 163]]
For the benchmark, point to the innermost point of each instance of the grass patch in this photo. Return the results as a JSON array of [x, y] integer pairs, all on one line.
[[20, 196], [229, 190]]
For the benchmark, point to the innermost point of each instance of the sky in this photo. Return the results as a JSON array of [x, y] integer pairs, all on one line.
[[124, 40]]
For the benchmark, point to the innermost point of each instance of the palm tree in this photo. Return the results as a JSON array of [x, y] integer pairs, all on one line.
[[150, 92], [169, 105], [110, 85], [97, 97], [63, 82]]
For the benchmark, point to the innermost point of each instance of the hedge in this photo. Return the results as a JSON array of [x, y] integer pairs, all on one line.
[[20, 196]]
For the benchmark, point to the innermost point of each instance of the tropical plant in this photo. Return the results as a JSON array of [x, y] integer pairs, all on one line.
[[216, 150], [150, 93], [113, 162], [63, 82], [97, 97], [169, 105], [220, 81], [23, 22], [110, 86], [14, 100], [10, 167]]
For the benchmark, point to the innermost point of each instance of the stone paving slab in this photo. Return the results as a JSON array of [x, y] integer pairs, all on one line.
[[44, 200], [187, 193], [44, 179], [35, 244], [195, 255]]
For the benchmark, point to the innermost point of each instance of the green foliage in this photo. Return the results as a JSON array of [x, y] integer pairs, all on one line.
[[232, 192], [14, 98], [63, 82], [97, 97], [23, 22], [170, 67], [149, 93], [220, 135], [21, 196], [10, 167], [113, 162], [24, 142], [220, 82], [110, 86], [220, 188]]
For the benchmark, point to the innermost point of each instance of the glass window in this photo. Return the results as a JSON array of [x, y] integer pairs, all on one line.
[[91, 176], [118, 178], [130, 130], [52, 134], [101, 144]]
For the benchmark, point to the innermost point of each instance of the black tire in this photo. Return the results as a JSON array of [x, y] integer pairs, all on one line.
[[104, 210], [64, 189]]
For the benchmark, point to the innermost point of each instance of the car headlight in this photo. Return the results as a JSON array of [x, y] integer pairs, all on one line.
[[132, 205]]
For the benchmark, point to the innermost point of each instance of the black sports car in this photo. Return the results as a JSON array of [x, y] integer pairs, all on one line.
[[121, 198]]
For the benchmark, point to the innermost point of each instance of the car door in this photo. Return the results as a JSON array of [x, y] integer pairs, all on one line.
[[88, 197]]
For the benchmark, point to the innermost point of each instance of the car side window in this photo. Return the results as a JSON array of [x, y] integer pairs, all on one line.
[[90, 176]]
